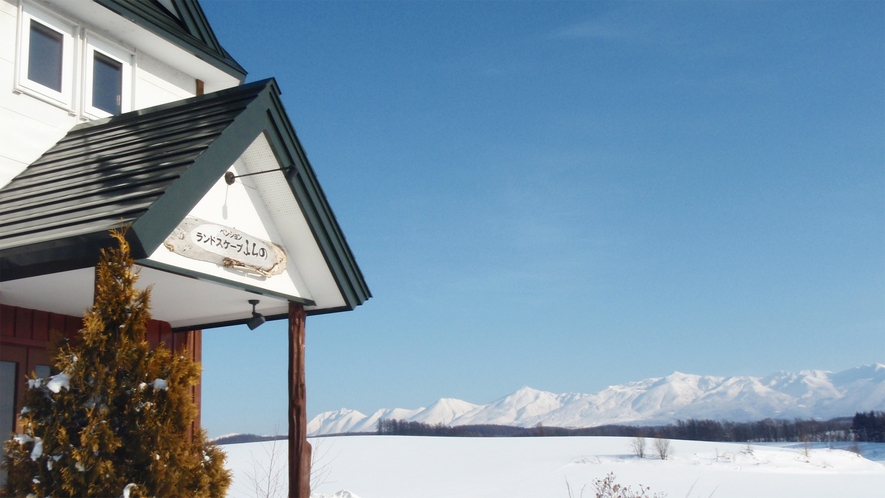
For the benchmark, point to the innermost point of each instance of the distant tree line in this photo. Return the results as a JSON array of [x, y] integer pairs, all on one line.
[[863, 427], [247, 438], [406, 428], [869, 426]]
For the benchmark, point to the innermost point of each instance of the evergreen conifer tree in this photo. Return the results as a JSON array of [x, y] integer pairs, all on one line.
[[114, 421]]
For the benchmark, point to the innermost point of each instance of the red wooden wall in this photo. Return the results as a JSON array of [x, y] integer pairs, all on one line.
[[24, 339]]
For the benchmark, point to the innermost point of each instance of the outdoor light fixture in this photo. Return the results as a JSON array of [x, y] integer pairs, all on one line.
[[257, 318], [230, 177]]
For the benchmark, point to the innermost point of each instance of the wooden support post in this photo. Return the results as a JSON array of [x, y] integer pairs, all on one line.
[[299, 448]]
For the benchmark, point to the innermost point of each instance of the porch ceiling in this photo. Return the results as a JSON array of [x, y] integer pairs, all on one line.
[[185, 303]]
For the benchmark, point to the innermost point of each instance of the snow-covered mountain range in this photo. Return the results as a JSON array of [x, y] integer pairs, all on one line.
[[808, 394]]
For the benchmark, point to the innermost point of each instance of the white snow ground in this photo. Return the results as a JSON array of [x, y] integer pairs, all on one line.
[[532, 467]]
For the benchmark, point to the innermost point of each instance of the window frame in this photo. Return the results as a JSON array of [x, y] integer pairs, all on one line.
[[95, 43], [70, 35]]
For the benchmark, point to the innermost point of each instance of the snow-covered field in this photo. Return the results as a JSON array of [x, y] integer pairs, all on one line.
[[425, 467]]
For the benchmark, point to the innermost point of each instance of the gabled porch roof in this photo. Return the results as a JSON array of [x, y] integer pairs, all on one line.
[[150, 169]]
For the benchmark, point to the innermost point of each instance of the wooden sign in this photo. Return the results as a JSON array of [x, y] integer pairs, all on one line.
[[225, 246]]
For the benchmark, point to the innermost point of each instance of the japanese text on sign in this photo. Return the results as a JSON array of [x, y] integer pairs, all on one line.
[[225, 246], [225, 240]]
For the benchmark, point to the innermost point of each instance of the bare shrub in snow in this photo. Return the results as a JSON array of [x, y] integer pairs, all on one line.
[[662, 447], [269, 476], [320, 463], [608, 488], [637, 445], [806, 447]]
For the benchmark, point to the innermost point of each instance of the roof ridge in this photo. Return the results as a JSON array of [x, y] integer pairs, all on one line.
[[190, 29]]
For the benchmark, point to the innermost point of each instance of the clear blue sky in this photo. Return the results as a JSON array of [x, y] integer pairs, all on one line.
[[570, 195]]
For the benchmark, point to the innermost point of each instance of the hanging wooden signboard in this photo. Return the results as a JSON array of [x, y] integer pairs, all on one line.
[[202, 240]]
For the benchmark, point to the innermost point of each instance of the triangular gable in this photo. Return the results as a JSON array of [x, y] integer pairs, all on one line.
[[187, 27], [151, 169], [251, 233]]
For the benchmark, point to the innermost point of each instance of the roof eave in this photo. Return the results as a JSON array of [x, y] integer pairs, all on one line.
[[210, 50], [314, 205]]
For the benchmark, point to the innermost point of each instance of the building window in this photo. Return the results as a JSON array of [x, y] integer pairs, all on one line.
[[8, 378], [42, 371], [108, 82], [46, 56]]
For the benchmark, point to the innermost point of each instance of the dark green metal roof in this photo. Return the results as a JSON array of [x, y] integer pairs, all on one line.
[[148, 169], [189, 30]]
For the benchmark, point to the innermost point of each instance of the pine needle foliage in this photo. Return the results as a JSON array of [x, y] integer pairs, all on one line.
[[114, 421]]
